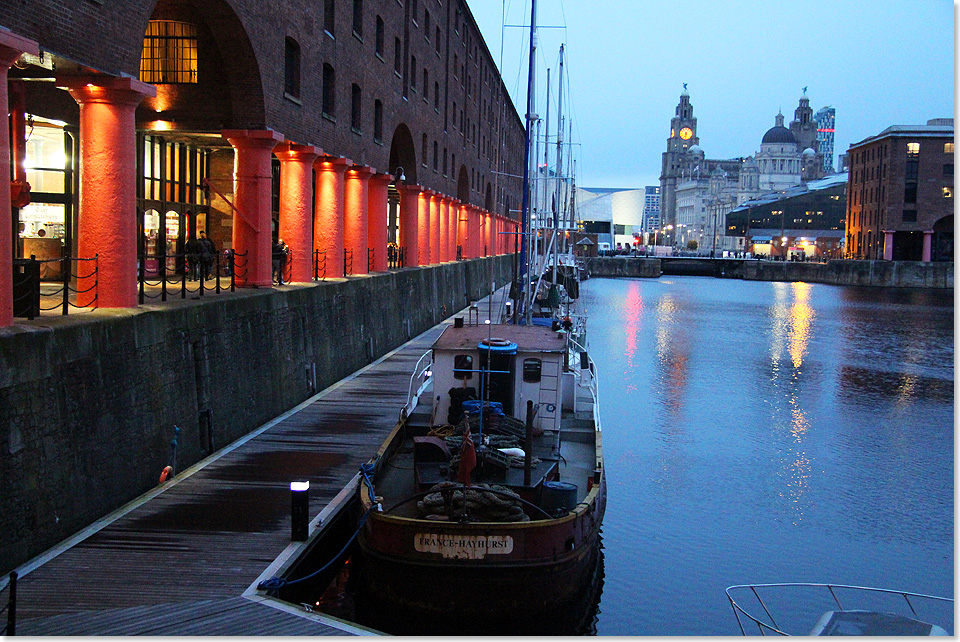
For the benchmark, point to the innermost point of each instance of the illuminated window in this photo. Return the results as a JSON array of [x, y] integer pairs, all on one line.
[[169, 53], [913, 149], [948, 192], [948, 148]]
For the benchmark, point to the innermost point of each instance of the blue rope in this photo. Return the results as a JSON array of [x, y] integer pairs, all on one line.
[[276, 583]]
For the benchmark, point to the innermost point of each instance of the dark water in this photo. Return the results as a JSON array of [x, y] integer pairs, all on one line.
[[769, 432]]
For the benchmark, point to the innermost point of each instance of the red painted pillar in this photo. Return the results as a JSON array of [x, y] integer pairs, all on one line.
[[409, 224], [927, 246], [443, 225], [423, 225], [11, 47], [453, 208], [462, 229], [377, 219], [328, 216], [108, 187], [296, 208], [355, 202], [252, 194], [476, 215], [435, 251]]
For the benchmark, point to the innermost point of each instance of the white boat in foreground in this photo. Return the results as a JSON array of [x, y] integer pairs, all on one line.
[[850, 610]]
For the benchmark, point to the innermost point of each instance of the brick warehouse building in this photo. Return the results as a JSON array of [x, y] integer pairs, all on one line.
[[340, 126], [900, 197]]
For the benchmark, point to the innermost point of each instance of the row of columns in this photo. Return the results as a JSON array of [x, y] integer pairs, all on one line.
[[926, 253], [349, 211]]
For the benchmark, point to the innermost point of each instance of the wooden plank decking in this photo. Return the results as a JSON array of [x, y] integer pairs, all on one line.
[[178, 560]]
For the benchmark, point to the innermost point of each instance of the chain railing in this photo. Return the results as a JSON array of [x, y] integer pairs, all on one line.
[[371, 256], [163, 281], [28, 295], [347, 262], [395, 256], [319, 265], [459, 252]]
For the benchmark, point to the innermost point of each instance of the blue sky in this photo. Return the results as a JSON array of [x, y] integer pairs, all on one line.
[[878, 63]]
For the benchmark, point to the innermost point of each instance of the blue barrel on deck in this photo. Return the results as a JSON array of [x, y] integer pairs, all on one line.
[[558, 495]]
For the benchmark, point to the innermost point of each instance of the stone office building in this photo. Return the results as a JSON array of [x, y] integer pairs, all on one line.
[[900, 199], [342, 127]]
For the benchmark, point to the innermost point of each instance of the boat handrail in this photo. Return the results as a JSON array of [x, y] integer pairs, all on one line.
[[775, 628], [462, 488], [593, 387], [419, 379]]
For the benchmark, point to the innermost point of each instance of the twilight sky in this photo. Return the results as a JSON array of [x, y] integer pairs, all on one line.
[[877, 62]]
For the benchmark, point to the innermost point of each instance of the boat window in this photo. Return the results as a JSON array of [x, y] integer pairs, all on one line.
[[531, 370], [463, 366]]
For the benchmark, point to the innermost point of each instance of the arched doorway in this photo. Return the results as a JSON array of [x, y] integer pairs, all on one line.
[[463, 185], [942, 242], [488, 198], [403, 166]]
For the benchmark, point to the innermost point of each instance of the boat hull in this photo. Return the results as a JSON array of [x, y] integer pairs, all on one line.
[[529, 569]]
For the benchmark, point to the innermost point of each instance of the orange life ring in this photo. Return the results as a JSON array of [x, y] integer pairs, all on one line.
[[166, 474], [496, 342]]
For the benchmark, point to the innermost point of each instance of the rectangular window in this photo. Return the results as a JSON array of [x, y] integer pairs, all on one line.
[[909, 216], [532, 370], [397, 56], [913, 149], [378, 121], [291, 70], [948, 148], [358, 18], [379, 37], [355, 106], [912, 169], [463, 366], [948, 169], [169, 53], [328, 8], [910, 193], [327, 103]]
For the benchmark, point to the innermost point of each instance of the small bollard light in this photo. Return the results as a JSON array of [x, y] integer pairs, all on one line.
[[299, 510]]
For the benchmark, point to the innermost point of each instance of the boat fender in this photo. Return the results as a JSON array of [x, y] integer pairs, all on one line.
[[166, 474], [512, 452]]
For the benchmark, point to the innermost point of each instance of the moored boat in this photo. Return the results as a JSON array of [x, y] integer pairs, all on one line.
[[805, 608], [487, 497]]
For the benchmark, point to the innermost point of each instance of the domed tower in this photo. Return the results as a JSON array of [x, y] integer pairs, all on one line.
[[804, 129], [677, 160], [778, 158]]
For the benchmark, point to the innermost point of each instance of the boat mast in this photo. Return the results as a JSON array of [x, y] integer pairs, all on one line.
[[525, 208], [557, 202], [541, 220]]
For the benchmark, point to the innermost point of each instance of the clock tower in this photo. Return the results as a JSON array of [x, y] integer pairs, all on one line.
[[683, 136]]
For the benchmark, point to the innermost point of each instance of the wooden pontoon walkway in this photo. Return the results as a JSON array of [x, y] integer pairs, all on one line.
[[185, 558]]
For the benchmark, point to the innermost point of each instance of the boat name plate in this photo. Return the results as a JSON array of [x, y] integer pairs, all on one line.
[[473, 547]]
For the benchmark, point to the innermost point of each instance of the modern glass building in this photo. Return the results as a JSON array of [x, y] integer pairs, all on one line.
[[826, 122]]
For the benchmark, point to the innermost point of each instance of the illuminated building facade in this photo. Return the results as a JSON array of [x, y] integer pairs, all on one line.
[[826, 126], [900, 204]]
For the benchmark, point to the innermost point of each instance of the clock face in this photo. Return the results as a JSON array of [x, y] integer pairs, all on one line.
[[686, 133]]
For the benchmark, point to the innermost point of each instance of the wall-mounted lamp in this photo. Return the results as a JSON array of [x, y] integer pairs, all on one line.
[[399, 174]]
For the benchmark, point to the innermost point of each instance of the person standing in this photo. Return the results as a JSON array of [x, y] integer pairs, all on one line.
[[280, 251], [192, 248], [208, 254]]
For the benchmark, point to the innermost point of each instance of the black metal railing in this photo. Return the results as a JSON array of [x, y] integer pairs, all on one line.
[[395, 257], [29, 298], [347, 262], [11, 607], [162, 281], [319, 265]]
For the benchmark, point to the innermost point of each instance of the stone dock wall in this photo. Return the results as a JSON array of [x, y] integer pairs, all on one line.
[[896, 274], [88, 403]]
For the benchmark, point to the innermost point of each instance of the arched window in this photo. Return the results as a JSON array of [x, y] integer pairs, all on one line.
[[423, 150], [426, 84], [436, 156], [328, 101], [413, 73], [291, 69], [355, 105]]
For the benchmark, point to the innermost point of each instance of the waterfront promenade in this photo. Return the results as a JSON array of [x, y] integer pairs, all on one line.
[[185, 558]]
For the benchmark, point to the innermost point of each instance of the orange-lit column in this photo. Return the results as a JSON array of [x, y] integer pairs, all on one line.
[[296, 208], [252, 194], [462, 216], [435, 250], [453, 208], [328, 215], [11, 47], [423, 226], [356, 200], [443, 223], [489, 219], [377, 219], [107, 214], [475, 233], [409, 224]]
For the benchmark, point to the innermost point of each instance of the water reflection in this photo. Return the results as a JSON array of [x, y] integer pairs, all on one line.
[[672, 356]]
